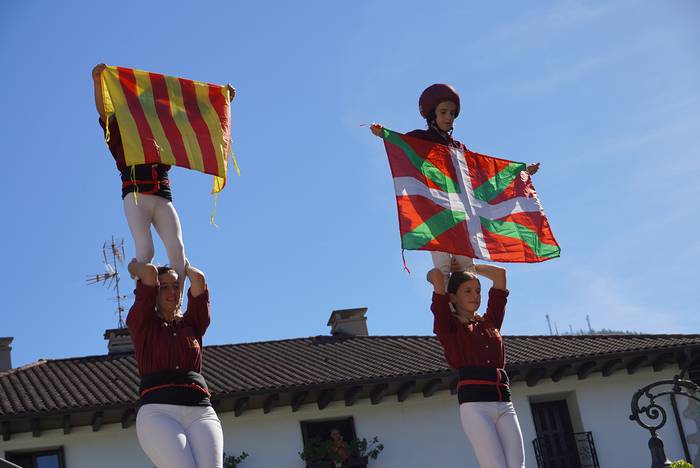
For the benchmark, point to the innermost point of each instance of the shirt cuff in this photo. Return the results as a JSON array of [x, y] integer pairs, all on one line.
[[499, 292], [204, 297], [440, 299]]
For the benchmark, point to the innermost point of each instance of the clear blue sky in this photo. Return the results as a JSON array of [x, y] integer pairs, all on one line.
[[604, 94]]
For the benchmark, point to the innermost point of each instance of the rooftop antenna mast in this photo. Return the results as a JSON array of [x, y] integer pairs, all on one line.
[[549, 324], [113, 255]]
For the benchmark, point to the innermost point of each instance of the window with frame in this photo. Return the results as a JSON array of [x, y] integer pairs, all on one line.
[[45, 458], [560, 441], [320, 431]]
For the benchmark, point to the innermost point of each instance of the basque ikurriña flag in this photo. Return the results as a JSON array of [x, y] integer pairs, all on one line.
[[168, 120], [466, 203]]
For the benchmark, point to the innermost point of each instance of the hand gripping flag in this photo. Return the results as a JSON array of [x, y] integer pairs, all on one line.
[[466, 203], [168, 120]]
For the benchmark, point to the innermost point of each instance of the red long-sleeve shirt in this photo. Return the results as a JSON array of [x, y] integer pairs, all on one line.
[[162, 345], [434, 136], [471, 344]]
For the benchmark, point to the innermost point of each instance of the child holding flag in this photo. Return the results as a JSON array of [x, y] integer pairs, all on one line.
[[146, 194], [439, 105]]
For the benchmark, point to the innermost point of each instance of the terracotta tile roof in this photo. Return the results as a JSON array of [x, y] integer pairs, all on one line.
[[108, 381]]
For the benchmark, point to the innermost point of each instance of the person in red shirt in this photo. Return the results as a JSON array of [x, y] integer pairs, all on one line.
[[439, 105], [146, 193], [176, 424], [473, 346]]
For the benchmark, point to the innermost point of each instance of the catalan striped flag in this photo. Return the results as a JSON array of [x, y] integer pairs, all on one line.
[[466, 203], [168, 120]]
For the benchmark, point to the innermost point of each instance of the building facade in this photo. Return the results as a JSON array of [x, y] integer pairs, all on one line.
[[573, 391]]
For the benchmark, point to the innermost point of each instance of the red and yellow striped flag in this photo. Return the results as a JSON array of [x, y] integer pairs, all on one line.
[[168, 120]]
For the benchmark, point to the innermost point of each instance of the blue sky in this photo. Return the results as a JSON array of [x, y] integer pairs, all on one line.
[[603, 94]]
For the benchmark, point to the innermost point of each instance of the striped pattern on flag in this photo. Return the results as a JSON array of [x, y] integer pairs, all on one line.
[[169, 120], [466, 203]]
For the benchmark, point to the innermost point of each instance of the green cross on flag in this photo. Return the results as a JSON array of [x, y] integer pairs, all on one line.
[[465, 203]]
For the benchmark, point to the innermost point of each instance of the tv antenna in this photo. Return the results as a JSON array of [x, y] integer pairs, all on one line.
[[113, 255]]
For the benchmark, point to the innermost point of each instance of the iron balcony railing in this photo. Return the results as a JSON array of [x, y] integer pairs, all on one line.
[[566, 450]]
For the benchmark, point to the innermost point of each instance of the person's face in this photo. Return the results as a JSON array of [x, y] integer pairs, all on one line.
[[468, 296], [169, 292], [336, 436], [445, 114]]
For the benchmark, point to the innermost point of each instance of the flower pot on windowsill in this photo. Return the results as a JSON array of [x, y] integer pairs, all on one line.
[[320, 464], [358, 462]]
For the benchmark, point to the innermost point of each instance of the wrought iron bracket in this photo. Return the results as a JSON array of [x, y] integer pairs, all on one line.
[[652, 416]]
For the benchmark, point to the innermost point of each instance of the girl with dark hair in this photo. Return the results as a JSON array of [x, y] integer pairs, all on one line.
[[473, 346], [176, 424], [439, 105]]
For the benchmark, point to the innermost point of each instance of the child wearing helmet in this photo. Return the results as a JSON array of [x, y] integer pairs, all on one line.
[[439, 105], [472, 343]]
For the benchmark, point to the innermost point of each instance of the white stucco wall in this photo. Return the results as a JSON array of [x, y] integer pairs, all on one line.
[[418, 432]]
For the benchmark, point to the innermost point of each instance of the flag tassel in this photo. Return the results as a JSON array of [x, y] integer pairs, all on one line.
[[213, 211]]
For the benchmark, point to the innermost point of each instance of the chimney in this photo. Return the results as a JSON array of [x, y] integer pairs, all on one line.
[[6, 353], [118, 341], [349, 322]]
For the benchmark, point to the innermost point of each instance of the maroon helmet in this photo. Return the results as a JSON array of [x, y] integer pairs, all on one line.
[[434, 95]]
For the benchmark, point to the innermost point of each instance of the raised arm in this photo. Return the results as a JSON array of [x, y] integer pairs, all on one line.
[[437, 279], [146, 298], [198, 283], [97, 82], [496, 274], [444, 321]]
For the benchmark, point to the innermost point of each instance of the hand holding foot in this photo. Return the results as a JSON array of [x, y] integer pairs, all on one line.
[[437, 279], [145, 272]]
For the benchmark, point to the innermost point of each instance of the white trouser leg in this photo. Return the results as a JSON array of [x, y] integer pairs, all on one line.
[[139, 216], [442, 261], [465, 263], [163, 437], [176, 436], [167, 225], [479, 425], [511, 437], [206, 438]]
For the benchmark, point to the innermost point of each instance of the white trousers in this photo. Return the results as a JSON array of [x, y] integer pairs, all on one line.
[[442, 261], [152, 209], [493, 430], [175, 436]]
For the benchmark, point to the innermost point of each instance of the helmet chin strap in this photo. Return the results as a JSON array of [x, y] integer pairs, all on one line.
[[434, 125]]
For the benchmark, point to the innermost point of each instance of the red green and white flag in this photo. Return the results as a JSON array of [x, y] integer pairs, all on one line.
[[465, 203]]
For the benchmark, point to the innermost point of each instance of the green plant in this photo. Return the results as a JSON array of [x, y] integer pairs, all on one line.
[[231, 461], [370, 449], [315, 450], [681, 464]]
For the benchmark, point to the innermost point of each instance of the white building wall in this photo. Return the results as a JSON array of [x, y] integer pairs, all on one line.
[[419, 432]]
